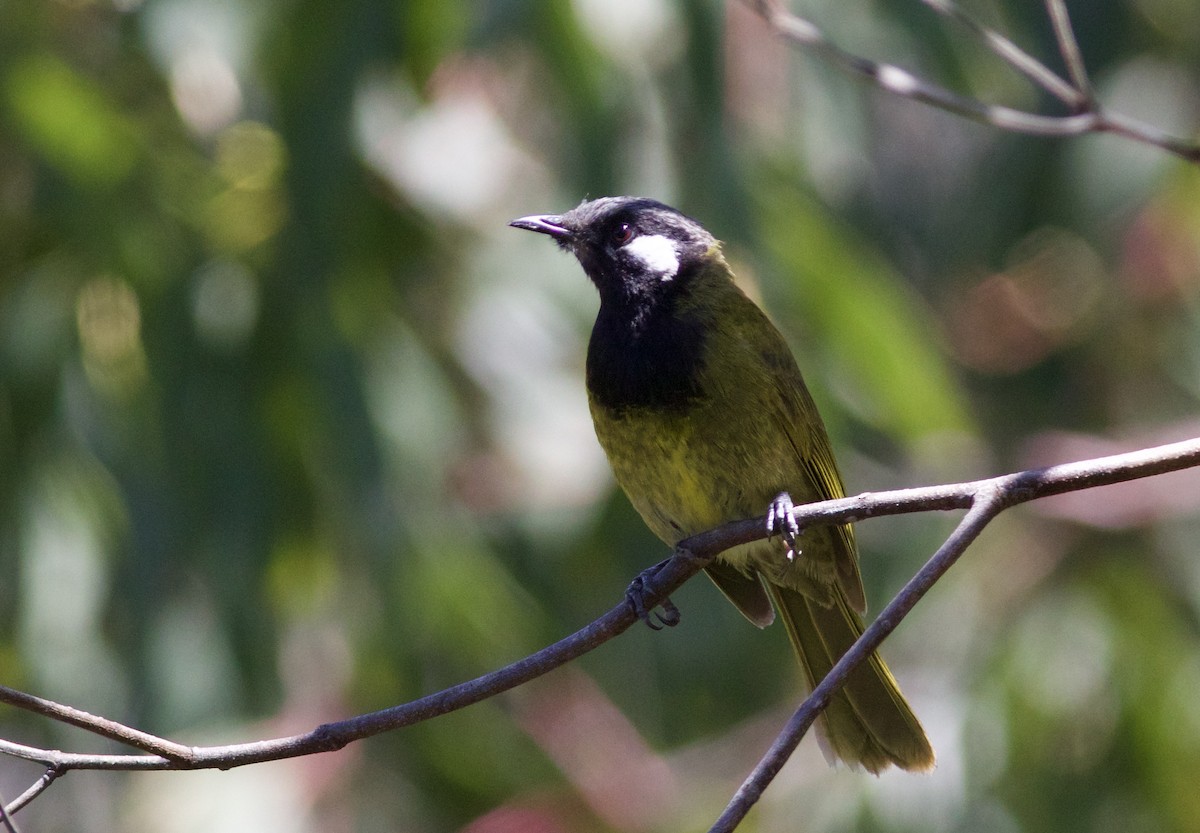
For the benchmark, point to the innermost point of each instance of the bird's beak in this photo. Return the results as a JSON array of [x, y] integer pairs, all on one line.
[[551, 224]]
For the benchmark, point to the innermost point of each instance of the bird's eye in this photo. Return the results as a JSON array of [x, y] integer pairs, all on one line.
[[622, 233]]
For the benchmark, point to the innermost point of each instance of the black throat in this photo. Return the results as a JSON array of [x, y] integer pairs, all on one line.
[[644, 354]]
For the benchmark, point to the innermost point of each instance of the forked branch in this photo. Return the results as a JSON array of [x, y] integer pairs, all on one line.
[[1086, 115], [983, 498]]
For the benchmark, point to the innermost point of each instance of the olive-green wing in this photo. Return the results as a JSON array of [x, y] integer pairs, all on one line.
[[805, 433], [746, 592]]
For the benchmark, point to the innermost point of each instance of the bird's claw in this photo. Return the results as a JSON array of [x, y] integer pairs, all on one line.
[[782, 521], [635, 596]]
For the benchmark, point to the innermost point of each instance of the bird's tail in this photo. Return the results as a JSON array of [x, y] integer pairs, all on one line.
[[867, 723]]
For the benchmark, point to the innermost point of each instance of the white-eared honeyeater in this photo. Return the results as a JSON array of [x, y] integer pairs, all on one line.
[[705, 418]]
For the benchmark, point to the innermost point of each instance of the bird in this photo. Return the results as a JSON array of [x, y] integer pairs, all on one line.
[[705, 418]]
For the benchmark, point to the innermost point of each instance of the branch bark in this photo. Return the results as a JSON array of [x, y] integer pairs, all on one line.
[[983, 498]]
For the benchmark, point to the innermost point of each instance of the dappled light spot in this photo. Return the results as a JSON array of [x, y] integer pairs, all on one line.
[[1044, 301], [108, 316], [252, 209], [205, 90], [225, 302]]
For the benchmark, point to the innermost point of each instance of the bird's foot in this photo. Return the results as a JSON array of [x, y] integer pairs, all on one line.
[[782, 521], [636, 595]]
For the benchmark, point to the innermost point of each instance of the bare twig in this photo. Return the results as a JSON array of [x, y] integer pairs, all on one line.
[[101, 726], [6, 819], [987, 506], [37, 788], [1013, 55], [1068, 47], [333, 736], [984, 498], [1087, 115], [988, 499]]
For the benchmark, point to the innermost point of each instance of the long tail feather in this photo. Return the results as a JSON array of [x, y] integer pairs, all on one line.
[[868, 723]]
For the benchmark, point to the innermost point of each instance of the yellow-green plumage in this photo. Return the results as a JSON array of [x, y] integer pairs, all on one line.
[[705, 418]]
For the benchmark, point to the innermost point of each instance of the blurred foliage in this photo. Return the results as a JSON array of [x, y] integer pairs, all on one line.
[[293, 426]]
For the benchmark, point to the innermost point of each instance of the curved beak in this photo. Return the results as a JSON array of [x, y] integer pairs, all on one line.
[[551, 224]]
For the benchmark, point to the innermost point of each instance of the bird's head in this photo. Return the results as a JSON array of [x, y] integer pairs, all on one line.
[[631, 248]]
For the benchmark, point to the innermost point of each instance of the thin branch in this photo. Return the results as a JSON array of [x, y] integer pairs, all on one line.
[[6, 818], [1068, 47], [101, 726], [1013, 55], [37, 788], [690, 557], [990, 498], [1119, 125], [988, 506], [901, 82], [1087, 118], [65, 761], [333, 736]]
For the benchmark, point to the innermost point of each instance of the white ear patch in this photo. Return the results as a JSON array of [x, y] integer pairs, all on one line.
[[658, 253]]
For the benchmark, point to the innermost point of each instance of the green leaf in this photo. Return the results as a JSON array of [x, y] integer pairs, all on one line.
[[70, 121], [869, 323]]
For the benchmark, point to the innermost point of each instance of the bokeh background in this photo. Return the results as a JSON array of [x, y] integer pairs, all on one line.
[[292, 426]]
